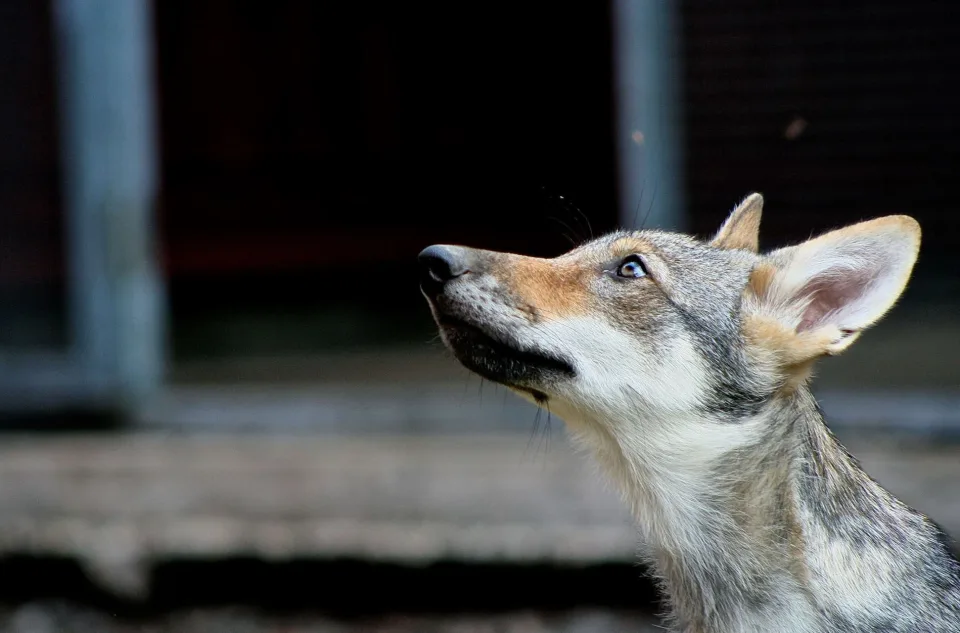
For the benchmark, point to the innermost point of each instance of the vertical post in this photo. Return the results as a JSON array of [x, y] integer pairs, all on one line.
[[649, 143], [109, 166]]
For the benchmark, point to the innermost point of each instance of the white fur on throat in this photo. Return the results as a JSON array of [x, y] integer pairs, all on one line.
[[633, 412]]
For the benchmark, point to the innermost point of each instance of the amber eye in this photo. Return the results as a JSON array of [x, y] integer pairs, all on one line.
[[632, 267]]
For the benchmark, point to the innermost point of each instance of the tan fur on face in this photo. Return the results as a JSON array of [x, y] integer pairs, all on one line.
[[771, 343], [760, 280], [546, 289], [781, 351], [631, 246]]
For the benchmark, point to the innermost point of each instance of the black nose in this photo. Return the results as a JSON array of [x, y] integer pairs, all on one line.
[[438, 265]]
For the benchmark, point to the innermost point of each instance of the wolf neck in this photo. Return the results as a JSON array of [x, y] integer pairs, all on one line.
[[733, 533]]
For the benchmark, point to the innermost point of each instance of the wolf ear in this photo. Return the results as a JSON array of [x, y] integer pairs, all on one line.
[[827, 290], [741, 230]]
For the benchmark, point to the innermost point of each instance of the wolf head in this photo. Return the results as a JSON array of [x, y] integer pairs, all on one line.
[[659, 326]]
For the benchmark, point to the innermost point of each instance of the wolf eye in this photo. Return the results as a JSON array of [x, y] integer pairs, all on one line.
[[632, 267]]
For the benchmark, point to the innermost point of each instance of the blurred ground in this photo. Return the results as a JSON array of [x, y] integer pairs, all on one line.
[[63, 618], [394, 456], [122, 503]]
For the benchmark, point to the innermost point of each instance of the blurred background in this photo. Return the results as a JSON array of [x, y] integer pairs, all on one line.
[[224, 406]]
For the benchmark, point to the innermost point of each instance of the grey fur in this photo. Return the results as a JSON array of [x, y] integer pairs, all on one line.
[[783, 531]]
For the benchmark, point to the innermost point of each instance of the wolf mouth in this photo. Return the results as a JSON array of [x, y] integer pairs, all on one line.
[[501, 361]]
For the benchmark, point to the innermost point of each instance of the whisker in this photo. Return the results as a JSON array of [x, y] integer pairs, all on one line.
[[569, 228], [636, 212], [653, 201], [577, 213], [533, 433], [547, 431], [586, 219]]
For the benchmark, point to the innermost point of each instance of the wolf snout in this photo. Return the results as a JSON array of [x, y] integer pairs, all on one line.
[[439, 264]]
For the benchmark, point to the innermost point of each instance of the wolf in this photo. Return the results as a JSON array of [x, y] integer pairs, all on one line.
[[683, 366]]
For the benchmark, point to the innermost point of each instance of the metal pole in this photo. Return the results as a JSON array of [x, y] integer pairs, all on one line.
[[649, 143], [109, 165]]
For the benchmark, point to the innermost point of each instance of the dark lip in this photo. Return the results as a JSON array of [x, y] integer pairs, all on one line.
[[507, 350]]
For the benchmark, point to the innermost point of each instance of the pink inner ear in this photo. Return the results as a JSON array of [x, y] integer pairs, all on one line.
[[829, 292]]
